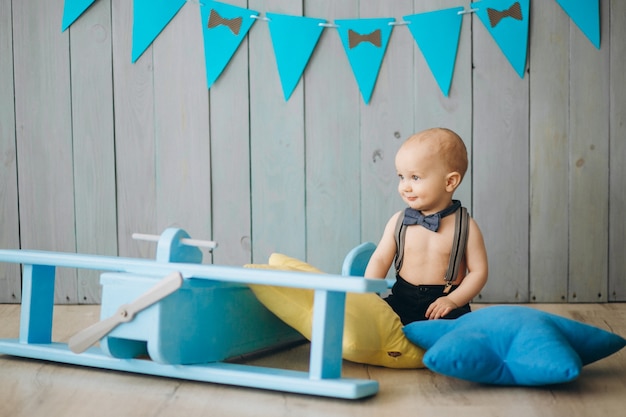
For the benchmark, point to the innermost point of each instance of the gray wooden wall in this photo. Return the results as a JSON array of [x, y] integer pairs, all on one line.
[[94, 148]]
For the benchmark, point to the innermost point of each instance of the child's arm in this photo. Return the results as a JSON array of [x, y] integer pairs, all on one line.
[[381, 259], [474, 281]]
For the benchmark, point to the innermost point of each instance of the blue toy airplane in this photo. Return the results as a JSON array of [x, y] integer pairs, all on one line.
[[188, 318]]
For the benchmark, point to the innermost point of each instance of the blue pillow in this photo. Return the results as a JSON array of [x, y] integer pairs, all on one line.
[[511, 345]]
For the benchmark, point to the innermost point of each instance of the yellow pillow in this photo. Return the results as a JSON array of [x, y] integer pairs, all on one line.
[[372, 331]]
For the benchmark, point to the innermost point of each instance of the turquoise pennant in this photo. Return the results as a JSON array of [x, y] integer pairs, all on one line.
[[365, 42], [224, 28], [507, 22], [294, 38], [437, 34], [586, 15], [72, 9], [149, 18]]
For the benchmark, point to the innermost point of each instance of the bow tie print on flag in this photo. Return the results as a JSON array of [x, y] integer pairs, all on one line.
[[224, 28], [216, 20], [437, 35], [294, 38], [586, 15], [507, 22], [72, 9], [149, 19], [354, 39], [495, 16], [365, 42]]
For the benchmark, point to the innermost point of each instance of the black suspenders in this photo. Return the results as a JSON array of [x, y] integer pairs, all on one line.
[[461, 230]]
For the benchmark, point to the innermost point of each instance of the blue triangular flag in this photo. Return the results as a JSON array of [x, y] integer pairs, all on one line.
[[507, 22], [365, 42], [586, 15], [294, 38], [149, 18], [72, 9], [224, 27], [437, 34]]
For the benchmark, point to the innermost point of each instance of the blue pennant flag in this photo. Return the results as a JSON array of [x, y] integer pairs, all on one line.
[[72, 9], [437, 34], [224, 27], [294, 38], [149, 18], [586, 15], [365, 42], [507, 22]]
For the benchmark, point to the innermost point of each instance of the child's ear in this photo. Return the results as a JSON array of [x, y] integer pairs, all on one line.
[[453, 180]]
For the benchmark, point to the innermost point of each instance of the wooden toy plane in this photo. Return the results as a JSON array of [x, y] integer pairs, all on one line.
[[188, 318]]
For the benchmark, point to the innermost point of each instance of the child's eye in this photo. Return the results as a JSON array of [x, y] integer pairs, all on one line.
[[415, 178], [401, 176]]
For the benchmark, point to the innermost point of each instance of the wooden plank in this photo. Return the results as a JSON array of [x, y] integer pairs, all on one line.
[[134, 137], [277, 148], [93, 140], [44, 134], [405, 78], [332, 144], [617, 152], [183, 154], [589, 152], [549, 102], [386, 122], [500, 141], [9, 217], [230, 159], [432, 108]]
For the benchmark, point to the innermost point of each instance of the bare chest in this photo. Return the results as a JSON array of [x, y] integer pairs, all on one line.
[[427, 254]]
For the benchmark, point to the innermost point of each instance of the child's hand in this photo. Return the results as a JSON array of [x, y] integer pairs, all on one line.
[[440, 307]]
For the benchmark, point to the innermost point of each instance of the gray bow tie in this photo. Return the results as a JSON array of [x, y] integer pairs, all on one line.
[[431, 222]]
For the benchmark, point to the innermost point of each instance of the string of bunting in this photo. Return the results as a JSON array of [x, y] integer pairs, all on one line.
[[365, 41]]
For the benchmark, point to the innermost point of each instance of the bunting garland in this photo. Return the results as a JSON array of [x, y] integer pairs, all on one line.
[[294, 38], [586, 15], [507, 22], [224, 27], [72, 11], [437, 36], [149, 18], [365, 42]]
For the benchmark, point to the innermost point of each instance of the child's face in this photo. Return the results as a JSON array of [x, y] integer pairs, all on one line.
[[422, 178]]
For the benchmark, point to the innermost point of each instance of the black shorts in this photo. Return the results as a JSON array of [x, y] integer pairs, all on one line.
[[410, 302]]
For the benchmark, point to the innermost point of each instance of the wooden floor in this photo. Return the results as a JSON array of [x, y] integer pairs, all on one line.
[[36, 388]]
